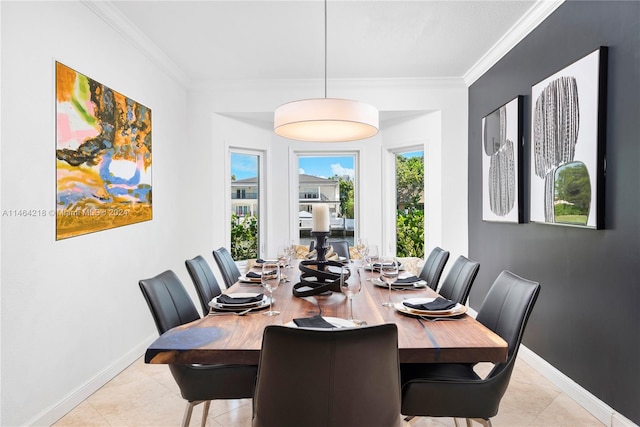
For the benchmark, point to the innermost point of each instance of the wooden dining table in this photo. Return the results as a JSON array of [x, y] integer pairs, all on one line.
[[233, 339]]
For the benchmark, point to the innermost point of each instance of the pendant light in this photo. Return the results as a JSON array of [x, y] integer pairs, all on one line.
[[326, 119]]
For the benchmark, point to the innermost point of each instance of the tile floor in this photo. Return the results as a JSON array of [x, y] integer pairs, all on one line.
[[146, 395]]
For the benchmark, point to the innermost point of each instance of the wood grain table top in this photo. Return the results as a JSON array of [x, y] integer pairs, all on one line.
[[233, 339]]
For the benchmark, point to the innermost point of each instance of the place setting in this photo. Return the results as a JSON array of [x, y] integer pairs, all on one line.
[[238, 302], [438, 307], [255, 277], [403, 283]]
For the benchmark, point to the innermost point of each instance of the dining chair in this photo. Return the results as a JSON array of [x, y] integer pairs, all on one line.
[[227, 266], [328, 378], [433, 267], [204, 281], [457, 284], [456, 390], [171, 306], [341, 248]]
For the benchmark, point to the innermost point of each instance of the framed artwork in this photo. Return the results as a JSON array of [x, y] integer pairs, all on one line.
[[568, 117], [502, 163], [103, 156]]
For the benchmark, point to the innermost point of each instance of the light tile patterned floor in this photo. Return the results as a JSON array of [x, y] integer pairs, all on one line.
[[146, 395]]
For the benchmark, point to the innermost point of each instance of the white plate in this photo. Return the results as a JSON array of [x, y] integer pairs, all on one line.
[[335, 321], [455, 311], [418, 285], [377, 267], [217, 305], [246, 279]]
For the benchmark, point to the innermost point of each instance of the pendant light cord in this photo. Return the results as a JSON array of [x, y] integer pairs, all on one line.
[[325, 49]]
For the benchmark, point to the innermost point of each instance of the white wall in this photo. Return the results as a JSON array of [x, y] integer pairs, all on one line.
[[439, 123], [72, 312]]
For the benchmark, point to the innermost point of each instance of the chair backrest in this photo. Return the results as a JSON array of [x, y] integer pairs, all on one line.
[[457, 284], [227, 266], [433, 267], [340, 247], [203, 279], [346, 377], [168, 301], [505, 310]]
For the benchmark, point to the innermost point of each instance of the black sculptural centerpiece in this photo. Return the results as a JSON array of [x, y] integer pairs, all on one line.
[[317, 276]]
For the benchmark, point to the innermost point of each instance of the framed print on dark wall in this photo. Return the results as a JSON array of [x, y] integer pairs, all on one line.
[[568, 116], [502, 163]]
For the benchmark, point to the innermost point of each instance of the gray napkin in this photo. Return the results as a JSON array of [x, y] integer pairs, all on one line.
[[313, 322], [228, 299], [407, 280], [435, 305]]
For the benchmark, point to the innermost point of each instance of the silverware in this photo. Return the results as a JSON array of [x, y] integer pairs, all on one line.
[[436, 319], [237, 313]]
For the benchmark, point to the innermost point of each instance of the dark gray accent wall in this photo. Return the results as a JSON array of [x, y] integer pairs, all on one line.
[[586, 321]]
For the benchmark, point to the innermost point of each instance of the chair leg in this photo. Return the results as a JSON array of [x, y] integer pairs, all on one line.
[[189, 410], [205, 413], [485, 423]]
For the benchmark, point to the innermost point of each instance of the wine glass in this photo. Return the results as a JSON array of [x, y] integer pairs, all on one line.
[[361, 247], [270, 280], [389, 271], [350, 287], [372, 257], [283, 255]]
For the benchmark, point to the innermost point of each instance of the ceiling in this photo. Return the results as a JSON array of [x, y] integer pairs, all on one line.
[[367, 39]]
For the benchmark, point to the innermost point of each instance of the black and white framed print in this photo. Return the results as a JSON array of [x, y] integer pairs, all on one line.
[[568, 115], [502, 163]]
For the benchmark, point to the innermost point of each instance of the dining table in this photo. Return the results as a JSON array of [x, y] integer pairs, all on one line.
[[225, 337]]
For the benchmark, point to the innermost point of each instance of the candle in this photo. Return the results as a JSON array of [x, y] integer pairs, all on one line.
[[320, 216]]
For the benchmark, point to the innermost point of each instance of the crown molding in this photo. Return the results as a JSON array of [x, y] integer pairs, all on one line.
[[534, 17], [335, 85], [118, 21]]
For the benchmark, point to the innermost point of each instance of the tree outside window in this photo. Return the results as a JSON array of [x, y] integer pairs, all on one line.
[[410, 204]]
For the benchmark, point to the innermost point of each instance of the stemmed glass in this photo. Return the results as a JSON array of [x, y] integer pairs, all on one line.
[[371, 257], [389, 270], [350, 287], [270, 280], [362, 247]]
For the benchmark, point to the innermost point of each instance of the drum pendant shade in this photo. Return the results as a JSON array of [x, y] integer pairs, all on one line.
[[326, 120]]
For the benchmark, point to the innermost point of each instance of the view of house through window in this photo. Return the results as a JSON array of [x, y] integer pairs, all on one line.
[[245, 184], [410, 204], [330, 180]]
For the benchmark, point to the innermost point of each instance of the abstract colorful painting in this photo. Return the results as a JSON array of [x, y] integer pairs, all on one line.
[[568, 115], [103, 156]]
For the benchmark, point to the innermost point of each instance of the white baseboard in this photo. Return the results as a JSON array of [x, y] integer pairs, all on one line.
[[52, 414], [603, 412]]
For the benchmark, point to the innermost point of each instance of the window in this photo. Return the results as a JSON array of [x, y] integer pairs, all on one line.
[[245, 203], [410, 204], [328, 179]]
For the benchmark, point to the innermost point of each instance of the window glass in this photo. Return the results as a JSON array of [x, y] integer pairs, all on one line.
[[245, 205], [328, 179], [410, 204]]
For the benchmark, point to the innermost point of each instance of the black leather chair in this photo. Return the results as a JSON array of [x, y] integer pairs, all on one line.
[[433, 267], [171, 306], [328, 378], [455, 390], [204, 281], [457, 284], [227, 266]]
